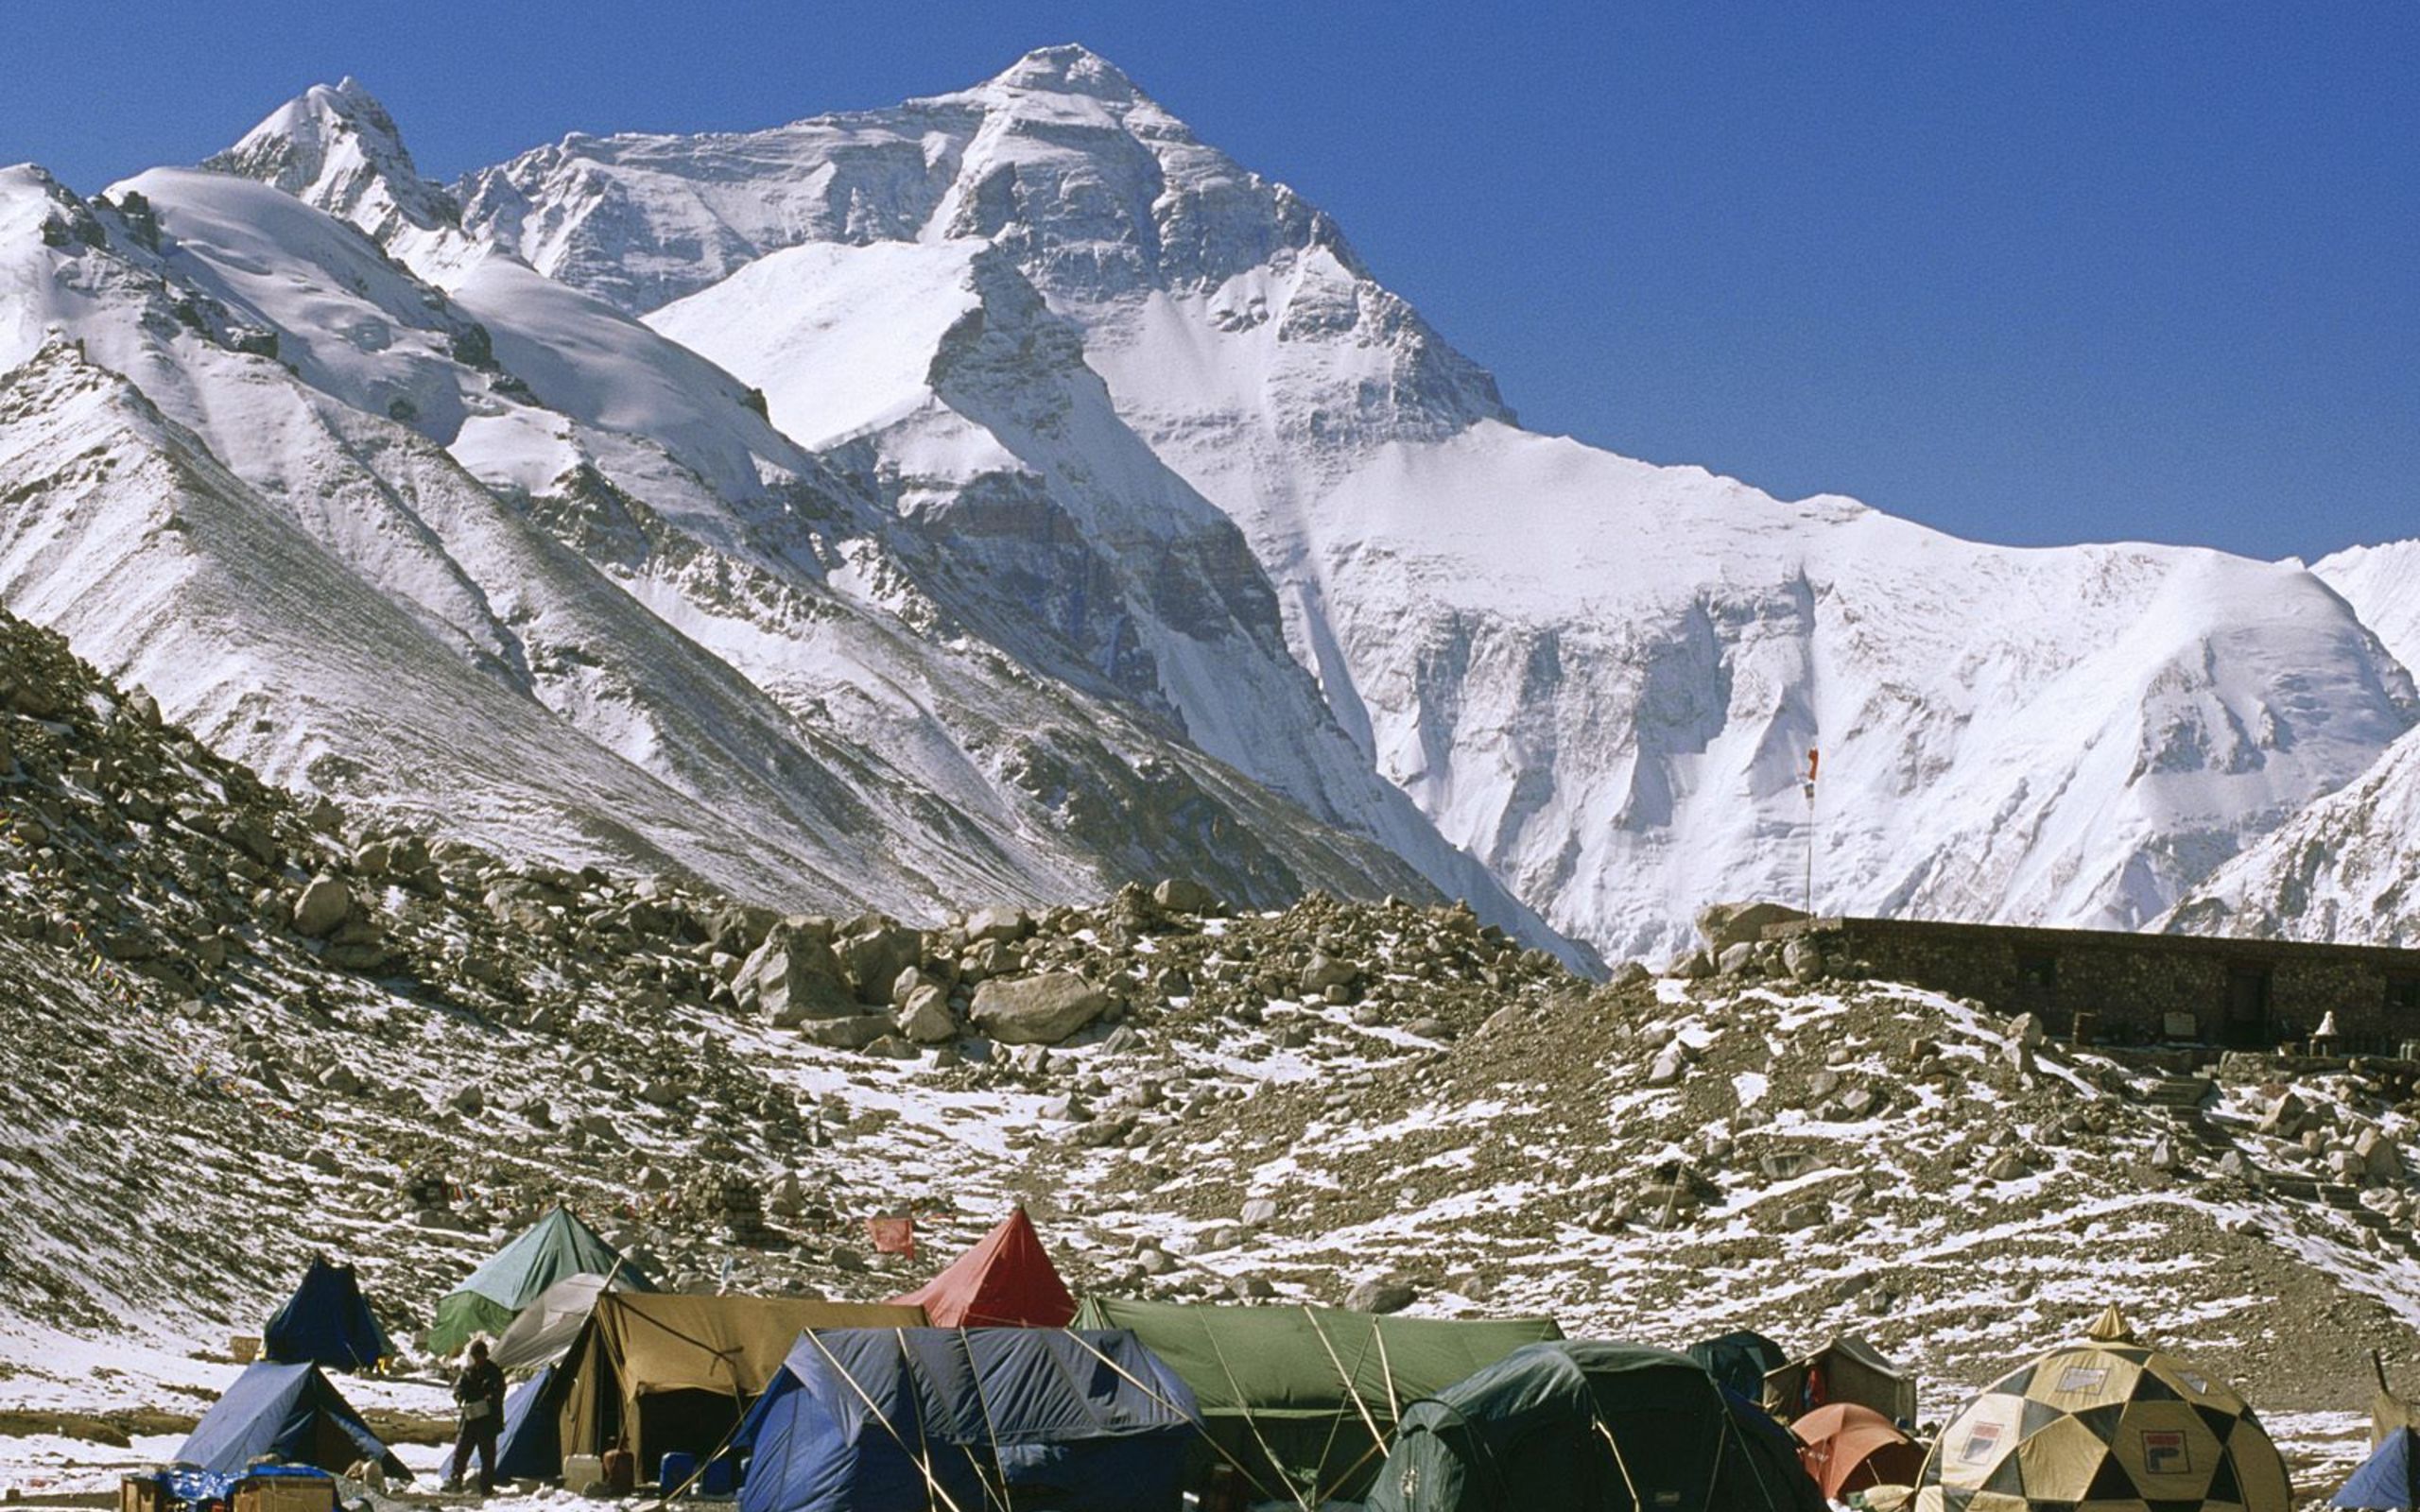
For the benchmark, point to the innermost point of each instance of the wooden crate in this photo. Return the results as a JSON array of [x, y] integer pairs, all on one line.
[[287, 1493]]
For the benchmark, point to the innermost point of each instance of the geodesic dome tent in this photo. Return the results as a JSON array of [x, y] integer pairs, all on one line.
[[2109, 1421]]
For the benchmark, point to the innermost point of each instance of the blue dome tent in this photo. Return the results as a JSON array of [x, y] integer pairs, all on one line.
[[326, 1322]]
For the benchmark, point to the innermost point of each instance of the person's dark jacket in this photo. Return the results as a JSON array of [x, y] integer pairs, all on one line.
[[481, 1382]]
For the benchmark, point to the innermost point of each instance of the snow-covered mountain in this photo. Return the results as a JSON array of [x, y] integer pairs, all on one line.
[[506, 560], [1596, 676], [2348, 867], [1009, 495]]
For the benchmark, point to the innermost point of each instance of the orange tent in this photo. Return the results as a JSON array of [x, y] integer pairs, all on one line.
[[1848, 1448], [1005, 1281]]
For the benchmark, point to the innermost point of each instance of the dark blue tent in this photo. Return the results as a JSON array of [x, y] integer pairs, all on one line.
[[287, 1413], [531, 1446], [1077, 1421], [326, 1322], [2386, 1479], [1738, 1360], [1772, 1455]]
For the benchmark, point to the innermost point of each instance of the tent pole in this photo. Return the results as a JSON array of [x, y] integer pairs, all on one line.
[[1346, 1380]]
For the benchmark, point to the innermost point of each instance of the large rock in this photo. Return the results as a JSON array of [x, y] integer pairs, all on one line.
[[873, 955], [1178, 895], [792, 978], [1325, 971], [1003, 925], [1380, 1297], [854, 1033], [2378, 1157], [1723, 925], [924, 1018], [322, 908], [1037, 1010]]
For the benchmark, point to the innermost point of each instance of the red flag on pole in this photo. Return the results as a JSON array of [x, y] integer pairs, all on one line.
[[1814, 759], [892, 1236]]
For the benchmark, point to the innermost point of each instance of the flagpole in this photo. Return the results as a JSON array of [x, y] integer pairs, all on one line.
[[1814, 759]]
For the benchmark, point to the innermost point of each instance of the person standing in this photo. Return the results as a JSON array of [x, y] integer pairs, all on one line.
[[478, 1398]]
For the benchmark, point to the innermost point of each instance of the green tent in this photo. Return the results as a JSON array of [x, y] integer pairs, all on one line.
[[1583, 1426], [557, 1245], [1300, 1401]]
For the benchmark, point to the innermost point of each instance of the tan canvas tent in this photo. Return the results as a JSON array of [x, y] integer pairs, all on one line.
[[654, 1372], [2109, 1422], [1847, 1369], [2389, 1413]]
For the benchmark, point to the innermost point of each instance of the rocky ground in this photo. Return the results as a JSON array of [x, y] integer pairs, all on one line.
[[240, 1028]]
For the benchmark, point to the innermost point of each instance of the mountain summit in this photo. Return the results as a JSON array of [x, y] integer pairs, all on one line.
[[1069, 68], [335, 147]]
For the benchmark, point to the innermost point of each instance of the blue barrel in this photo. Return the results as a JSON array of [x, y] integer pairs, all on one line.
[[673, 1472], [721, 1478]]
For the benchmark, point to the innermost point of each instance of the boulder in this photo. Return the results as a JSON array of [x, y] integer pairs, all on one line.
[[1691, 966], [1178, 895], [1380, 1295], [924, 1017], [853, 1033], [1800, 1216], [1736, 959], [873, 953], [2378, 1157], [1325, 971], [792, 978], [1001, 925], [1630, 973], [2285, 1118], [1666, 1069], [1037, 1010], [2005, 1166], [1723, 925], [1258, 1211], [1803, 960], [2026, 1029], [324, 905]]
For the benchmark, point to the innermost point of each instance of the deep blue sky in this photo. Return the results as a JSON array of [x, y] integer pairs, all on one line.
[[2031, 273]]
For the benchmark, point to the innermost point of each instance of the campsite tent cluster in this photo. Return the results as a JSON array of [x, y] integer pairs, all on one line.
[[991, 1389]]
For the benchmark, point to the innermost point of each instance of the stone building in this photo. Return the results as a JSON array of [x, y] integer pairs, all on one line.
[[2130, 988]]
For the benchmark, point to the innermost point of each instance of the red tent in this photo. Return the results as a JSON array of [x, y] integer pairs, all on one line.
[[1005, 1281], [1847, 1448]]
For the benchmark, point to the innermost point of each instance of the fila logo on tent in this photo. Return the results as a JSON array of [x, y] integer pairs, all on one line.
[[2164, 1452]]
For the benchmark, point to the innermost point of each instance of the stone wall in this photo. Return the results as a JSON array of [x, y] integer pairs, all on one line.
[[2140, 988]]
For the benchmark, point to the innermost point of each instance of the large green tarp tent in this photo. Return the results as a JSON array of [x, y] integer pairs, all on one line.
[[1300, 1401], [1586, 1426], [556, 1246]]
